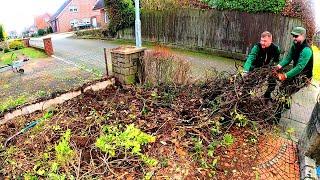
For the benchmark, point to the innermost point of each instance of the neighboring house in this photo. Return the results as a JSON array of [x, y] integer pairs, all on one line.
[[75, 14], [100, 6], [31, 31], [13, 35], [42, 21]]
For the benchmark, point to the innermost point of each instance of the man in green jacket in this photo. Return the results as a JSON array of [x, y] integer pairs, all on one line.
[[302, 56], [263, 53]]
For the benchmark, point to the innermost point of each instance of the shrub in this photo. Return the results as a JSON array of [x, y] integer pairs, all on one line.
[[49, 30], [304, 10], [1, 33], [162, 66], [90, 33], [16, 44], [171, 4], [121, 13], [41, 32], [6, 50], [251, 6]]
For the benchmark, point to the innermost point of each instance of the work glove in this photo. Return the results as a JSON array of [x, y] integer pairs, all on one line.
[[275, 70], [282, 77]]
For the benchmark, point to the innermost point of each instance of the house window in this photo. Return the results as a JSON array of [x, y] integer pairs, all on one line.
[[73, 8], [86, 20], [106, 17], [74, 22]]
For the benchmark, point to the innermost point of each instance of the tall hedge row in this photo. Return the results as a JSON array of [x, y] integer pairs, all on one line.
[[251, 6]]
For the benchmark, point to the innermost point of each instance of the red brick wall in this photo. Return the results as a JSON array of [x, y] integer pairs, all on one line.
[[84, 11], [40, 21], [102, 18]]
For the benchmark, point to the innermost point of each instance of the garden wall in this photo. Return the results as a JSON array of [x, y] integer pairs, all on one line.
[[229, 33]]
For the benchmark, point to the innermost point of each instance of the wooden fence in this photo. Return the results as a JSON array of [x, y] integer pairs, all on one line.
[[226, 31]]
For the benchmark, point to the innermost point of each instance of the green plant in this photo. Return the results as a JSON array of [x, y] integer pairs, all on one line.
[[121, 13], [227, 140], [1, 33], [215, 129], [12, 102], [290, 132], [113, 142], [16, 45], [198, 146], [251, 6], [49, 30], [41, 32], [6, 50], [64, 153], [212, 147], [241, 119]]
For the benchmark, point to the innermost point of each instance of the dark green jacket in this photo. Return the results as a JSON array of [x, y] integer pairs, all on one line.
[[302, 57], [259, 57]]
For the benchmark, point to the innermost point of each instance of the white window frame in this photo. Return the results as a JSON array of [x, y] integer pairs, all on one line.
[[86, 20], [106, 17], [74, 22], [73, 8]]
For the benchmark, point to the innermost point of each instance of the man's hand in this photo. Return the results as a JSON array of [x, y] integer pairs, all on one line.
[[282, 77], [276, 69], [244, 74]]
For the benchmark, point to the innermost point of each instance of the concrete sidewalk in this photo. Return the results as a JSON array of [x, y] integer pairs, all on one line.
[[300, 112]]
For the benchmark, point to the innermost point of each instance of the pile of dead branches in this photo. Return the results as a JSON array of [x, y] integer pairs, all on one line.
[[192, 127]]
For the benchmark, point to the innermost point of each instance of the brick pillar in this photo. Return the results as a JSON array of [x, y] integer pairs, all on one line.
[[125, 61], [26, 42], [48, 46]]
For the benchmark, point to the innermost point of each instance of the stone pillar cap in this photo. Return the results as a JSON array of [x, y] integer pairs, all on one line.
[[127, 49]]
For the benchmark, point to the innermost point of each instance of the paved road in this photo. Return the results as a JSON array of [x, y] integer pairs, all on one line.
[[89, 54], [84, 53]]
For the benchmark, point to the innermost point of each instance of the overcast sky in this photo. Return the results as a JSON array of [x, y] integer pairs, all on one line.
[[16, 15]]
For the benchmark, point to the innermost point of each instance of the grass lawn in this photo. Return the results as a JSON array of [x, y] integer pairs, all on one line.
[[316, 63], [7, 58]]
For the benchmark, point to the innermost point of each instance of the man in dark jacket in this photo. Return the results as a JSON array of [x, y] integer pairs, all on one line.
[[263, 53], [302, 56]]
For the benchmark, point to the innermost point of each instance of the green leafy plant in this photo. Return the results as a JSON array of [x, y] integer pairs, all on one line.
[[121, 13], [41, 32], [64, 153], [290, 132], [251, 6], [12, 102], [198, 146], [114, 142], [16, 44], [1, 33], [241, 119], [227, 140]]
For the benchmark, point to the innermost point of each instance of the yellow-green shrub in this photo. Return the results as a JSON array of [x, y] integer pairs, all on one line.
[[16, 44]]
